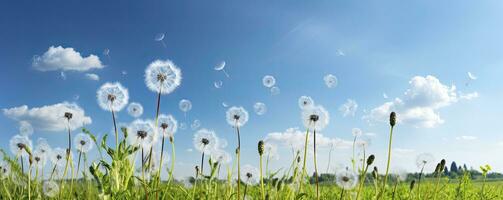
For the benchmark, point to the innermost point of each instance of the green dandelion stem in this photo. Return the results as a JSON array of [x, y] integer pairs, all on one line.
[[262, 190], [316, 166], [388, 163]]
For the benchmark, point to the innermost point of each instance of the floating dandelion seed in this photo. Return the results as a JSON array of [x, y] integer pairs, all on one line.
[[349, 108], [340, 53], [205, 141], [135, 109], [237, 116], [225, 105], [50, 188], [471, 77], [424, 159], [142, 133], [384, 95], [330, 80], [221, 156], [163, 76], [222, 143], [167, 125], [221, 67], [106, 52], [195, 124], [160, 38], [268, 81], [112, 96], [19, 144], [218, 84], [250, 175], [62, 75], [315, 117], [183, 126], [346, 179], [83, 142], [305, 102], [185, 106], [260, 108], [25, 128], [275, 90]]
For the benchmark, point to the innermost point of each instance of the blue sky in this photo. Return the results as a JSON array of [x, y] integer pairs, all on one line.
[[384, 46]]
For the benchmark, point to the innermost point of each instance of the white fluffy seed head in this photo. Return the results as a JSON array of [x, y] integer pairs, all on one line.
[[112, 96], [163, 76], [237, 116]]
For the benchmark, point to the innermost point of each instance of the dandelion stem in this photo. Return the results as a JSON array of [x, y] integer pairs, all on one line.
[[342, 194], [305, 156], [238, 152], [419, 180], [53, 171], [160, 166], [115, 129], [202, 164], [22, 164], [172, 161], [329, 158], [315, 166], [261, 179], [68, 151], [29, 183], [246, 187], [78, 162], [389, 159], [353, 158], [362, 181]]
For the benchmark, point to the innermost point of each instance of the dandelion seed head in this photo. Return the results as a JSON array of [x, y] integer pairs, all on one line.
[[185, 105], [330, 80], [135, 109], [167, 125], [268, 81], [163, 76], [221, 156], [205, 141], [4, 170], [83, 142], [142, 133], [346, 179], [58, 157], [356, 132], [424, 159], [18, 145], [112, 96], [260, 108], [50, 188], [237, 116], [349, 108], [39, 158], [195, 124], [249, 175], [25, 128], [305, 102], [315, 117], [275, 90], [271, 150]]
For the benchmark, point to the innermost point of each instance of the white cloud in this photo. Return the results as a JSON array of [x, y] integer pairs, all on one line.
[[93, 77], [50, 117], [466, 138], [65, 59], [420, 103], [295, 138], [469, 96]]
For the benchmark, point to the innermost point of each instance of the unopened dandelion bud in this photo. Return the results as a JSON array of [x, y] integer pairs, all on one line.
[[375, 173], [392, 119], [261, 147], [370, 159], [171, 139], [437, 168], [237, 150], [442, 163], [412, 183], [197, 169], [298, 159]]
